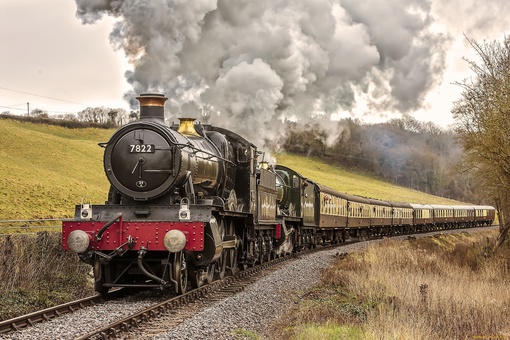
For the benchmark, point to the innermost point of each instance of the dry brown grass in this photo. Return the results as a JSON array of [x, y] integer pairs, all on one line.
[[443, 287], [36, 273]]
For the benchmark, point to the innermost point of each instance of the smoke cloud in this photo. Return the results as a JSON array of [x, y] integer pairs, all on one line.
[[245, 64]]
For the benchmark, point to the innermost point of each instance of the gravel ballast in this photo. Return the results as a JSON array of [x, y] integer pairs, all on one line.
[[250, 311]]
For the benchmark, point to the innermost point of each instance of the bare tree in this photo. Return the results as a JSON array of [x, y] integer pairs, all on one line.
[[39, 113], [483, 124]]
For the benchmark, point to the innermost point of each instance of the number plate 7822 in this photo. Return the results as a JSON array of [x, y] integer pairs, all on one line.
[[141, 148]]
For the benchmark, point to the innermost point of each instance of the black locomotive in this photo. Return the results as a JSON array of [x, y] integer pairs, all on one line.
[[192, 203]]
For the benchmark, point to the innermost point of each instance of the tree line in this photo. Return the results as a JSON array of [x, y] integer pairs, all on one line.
[[102, 117], [404, 151]]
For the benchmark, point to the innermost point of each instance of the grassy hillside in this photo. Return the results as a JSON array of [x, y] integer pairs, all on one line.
[[46, 170]]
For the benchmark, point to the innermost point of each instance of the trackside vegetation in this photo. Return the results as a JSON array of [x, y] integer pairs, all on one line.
[[36, 273], [447, 286]]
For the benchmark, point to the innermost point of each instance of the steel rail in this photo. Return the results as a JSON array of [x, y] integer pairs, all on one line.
[[24, 321], [230, 285]]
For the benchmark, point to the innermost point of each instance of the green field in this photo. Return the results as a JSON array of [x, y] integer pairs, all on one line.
[[46, 170]]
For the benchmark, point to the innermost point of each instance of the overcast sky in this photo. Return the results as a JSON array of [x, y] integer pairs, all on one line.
[[372, 59]]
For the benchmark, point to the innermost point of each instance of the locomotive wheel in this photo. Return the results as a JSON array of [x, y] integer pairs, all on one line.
[[265, 249], [231, 254], [197, 279], [180, 273], [210, 272], [221, 265], [232, 201], [269, 248], [99, 279], [261, 249], [232, 261]]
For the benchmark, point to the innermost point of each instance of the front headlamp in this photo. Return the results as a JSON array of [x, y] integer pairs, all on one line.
[[175, 241], [78, 241]]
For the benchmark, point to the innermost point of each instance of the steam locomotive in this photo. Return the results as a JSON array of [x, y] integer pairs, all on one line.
[[191, 203]]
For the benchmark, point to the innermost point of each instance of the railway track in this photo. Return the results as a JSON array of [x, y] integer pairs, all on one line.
[[21, 322], [24, 321], [176, 309], [172, 311]]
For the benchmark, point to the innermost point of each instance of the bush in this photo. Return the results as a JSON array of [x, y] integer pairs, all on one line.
[[431, 288], [37, 273]]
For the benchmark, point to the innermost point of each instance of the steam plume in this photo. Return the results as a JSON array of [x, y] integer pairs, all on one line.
[[245, 64]]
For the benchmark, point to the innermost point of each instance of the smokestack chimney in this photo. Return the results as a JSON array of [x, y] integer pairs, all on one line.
[[152, 107]]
